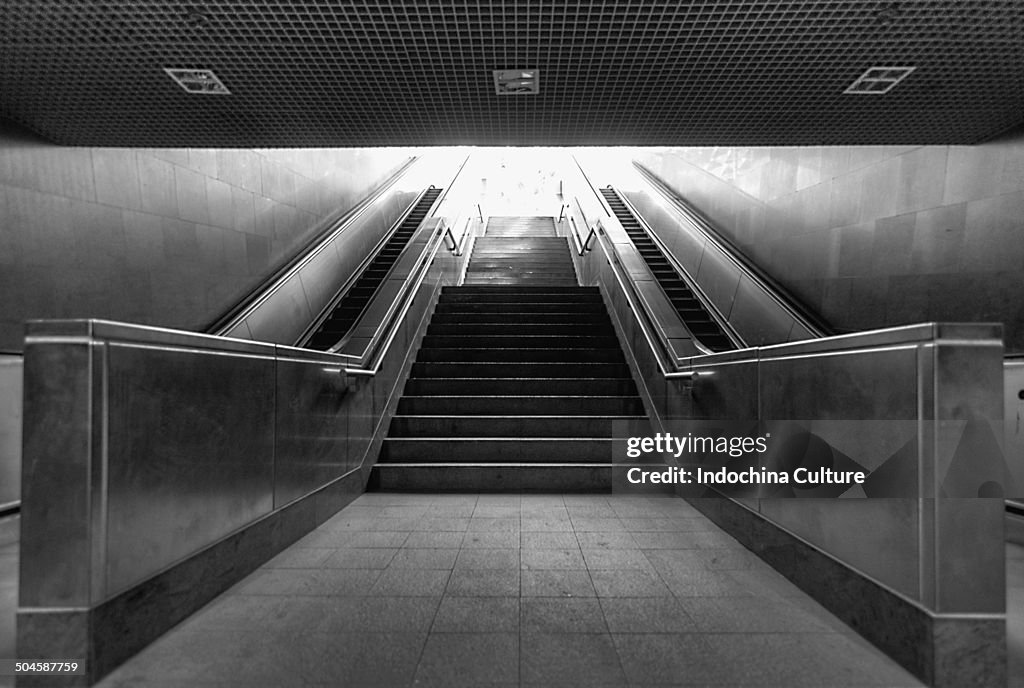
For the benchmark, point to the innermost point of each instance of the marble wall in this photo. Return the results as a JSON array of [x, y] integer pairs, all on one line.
[[168, 237], [872, 237]]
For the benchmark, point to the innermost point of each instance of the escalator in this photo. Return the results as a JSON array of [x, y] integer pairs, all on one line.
[[690, 309], [350, 307]]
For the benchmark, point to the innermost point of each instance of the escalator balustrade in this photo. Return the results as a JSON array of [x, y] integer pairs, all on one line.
[[690, 309], [351, 306]]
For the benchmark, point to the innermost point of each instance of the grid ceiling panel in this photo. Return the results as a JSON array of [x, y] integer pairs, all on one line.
[[378, 72]]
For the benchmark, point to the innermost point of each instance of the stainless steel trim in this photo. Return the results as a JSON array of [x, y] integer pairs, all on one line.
[[388, 328], [642, 320]]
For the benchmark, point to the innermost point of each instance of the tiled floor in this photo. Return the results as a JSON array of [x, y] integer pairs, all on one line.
[[454, 590]]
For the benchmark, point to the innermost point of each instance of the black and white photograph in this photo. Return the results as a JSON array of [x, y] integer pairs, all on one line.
[[512, 343]]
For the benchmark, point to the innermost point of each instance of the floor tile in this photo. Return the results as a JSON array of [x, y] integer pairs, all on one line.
[[561, 615], [441, 524], [594, 524], [615, 559], [749, 615], [670, 659], [428, 540], [557, 583], [488, 559], [546, 525], [549, 540], [469, 659], [489, 525], [360, 558], [606, 540], [780, 659], [570, 659], [411, 582], [308, 582], [628, 583], [548, 559], [477, 615], [484, 583], [491, 540], [386, 539], [424, 559], [645, 615], [376, 614]]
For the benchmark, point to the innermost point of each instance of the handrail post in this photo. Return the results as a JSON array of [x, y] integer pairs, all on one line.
[[480, 212]]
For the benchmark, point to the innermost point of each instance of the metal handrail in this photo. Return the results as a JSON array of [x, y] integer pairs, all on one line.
[[702, 296], [458, 247], [386, 332], [768, 285], [643, 317], [582, 248], [343, 290]]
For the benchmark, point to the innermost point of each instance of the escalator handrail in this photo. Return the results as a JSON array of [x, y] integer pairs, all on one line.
[[226, 321], [676, 368], [698, 291], [765, 282], [325, 312], [387, 329]]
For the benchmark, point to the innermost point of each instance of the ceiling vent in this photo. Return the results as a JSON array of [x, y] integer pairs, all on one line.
[[516, 82], [201, 81], [878, 80]]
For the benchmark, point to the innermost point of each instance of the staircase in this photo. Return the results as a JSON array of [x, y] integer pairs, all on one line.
[[517, 384], [521, 251], [351, 306], [690, 309]]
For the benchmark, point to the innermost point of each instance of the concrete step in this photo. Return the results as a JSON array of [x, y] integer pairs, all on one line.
[[521, 290], [497, 317], [520, 279], [491, 477], [463, 405], [512, 297], [481, 386], [514, 426], [521, 341], [519, 370], [498, 307], [483, 450], [578, 329], [520, 355]]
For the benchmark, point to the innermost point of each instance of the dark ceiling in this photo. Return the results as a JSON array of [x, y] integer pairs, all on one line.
[[374, 72]]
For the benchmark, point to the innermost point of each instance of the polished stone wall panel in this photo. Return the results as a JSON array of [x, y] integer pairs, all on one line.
[[190, 454], [55, 540], [311, 438], [871, 236], [168, 237], [888, 551], [10, 427]]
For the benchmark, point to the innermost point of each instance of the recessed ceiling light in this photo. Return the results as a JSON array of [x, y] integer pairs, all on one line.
[[516, 82], [878, 80], [198, 81]]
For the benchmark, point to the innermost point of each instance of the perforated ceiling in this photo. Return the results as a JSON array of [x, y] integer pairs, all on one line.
[[379, 72]]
